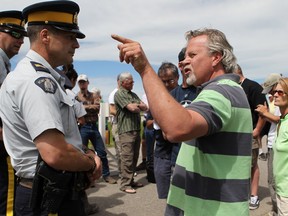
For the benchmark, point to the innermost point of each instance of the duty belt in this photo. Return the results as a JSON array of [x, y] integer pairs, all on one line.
[[25, 182]]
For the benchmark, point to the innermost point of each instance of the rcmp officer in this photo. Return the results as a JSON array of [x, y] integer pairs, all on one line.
[[12, 34], [38, 116]]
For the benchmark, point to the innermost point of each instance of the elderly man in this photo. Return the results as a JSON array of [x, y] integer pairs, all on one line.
[[128, 108], [12, 35], [40, 128], [212, 172]]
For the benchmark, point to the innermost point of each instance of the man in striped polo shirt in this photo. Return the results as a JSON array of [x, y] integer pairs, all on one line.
[[128, 108], [212, 172]]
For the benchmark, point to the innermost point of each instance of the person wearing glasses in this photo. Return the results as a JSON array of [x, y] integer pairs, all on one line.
[[184, 94], [280, 147], [212, 172], [169, 75], [273, 116], [12, 34]]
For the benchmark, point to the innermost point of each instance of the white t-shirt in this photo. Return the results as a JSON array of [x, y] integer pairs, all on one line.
[[273, 128], [111, 101]]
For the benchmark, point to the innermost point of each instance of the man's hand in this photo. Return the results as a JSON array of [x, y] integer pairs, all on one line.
[[98, 171], [96, 174], [262, 109], [142, 106], [132, 52]]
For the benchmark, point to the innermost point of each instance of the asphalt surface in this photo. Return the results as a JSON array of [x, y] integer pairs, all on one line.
[[112, 201]]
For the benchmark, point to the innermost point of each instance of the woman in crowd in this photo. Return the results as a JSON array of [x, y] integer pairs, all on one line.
[[280, 148]]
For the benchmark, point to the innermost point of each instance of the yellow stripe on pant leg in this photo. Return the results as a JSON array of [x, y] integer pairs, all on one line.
[[11, 186], [50, 214]]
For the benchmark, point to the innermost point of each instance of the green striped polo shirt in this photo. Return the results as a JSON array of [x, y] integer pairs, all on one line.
[[126, 120], [212, 173]]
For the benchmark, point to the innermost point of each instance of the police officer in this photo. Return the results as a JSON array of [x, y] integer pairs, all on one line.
[[37, 114], [12, 34]]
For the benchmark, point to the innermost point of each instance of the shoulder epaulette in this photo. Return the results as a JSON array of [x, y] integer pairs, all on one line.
[[39, 67]]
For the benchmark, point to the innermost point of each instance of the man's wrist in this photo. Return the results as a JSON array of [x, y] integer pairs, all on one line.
[[91, 170], [86, 150]]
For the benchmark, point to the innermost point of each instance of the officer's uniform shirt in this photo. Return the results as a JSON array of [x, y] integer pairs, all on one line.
[[4, 66], [77, 106], [32, 100]]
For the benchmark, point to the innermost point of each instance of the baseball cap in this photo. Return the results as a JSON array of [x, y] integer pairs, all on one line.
[[181, 55], [82, 77], [271, 80]]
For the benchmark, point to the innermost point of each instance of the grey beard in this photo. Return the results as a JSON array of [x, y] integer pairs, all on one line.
[[191, 79]]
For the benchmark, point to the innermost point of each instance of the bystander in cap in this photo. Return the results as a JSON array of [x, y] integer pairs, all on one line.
[[82, 77], [11, 22], [62, 15], [181, 55], [270, 81]]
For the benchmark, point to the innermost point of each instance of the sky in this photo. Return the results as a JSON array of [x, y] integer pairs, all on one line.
[[257, 30]]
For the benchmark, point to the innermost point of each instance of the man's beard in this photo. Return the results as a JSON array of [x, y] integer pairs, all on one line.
[[191, 79]]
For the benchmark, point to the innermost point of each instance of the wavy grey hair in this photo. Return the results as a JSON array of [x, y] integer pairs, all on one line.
[[217, 42], [123, 76]]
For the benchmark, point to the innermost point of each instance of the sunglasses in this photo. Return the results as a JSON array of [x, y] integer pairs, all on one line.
[[279, 92], [12, 33]]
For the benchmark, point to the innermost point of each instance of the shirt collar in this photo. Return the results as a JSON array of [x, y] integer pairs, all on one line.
[[38, 58], [233, 77]]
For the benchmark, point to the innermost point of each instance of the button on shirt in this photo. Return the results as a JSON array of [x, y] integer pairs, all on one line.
[[27, 111]]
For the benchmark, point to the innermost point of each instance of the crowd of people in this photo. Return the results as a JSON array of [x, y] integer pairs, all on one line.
[[201, 138]]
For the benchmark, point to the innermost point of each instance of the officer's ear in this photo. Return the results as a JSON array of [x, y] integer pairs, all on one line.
[[45, 35]]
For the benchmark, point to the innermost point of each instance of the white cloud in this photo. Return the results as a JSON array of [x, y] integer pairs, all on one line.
[[256, 29]]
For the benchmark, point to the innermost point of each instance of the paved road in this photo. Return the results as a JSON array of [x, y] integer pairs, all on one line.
[[114, 202]]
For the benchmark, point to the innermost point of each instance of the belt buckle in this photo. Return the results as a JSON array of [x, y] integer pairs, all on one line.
[[28, 183]]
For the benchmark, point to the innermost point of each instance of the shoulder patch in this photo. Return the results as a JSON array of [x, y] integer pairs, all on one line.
[[46, 84], [39, 67]]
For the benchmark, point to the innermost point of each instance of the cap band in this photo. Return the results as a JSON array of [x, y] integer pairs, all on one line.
[[52, 16], [10, 20]]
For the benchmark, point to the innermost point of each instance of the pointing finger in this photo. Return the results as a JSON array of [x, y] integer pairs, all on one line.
[[121, 39]]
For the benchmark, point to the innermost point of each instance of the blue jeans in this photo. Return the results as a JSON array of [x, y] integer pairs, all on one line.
[[163, 173], [150, 140], [90, 132]]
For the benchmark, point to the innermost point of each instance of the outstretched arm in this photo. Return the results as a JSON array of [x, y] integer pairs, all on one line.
[[175, 121]]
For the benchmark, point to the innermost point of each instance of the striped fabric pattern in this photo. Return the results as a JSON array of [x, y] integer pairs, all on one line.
[[127, 121], [212, 173]]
